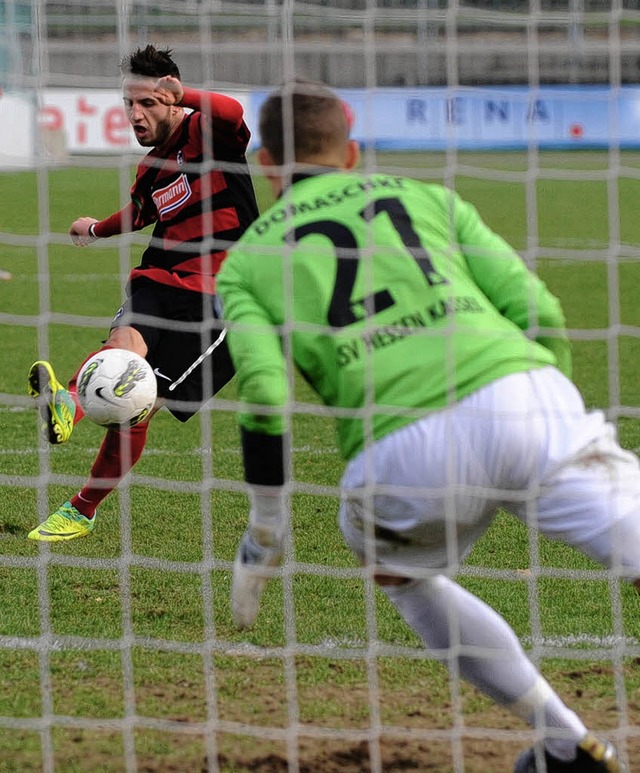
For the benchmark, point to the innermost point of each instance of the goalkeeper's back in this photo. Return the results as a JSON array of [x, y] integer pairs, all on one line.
[[393, 296]]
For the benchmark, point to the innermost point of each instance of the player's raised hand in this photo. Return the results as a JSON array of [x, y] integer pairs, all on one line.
[[80, 233], [169, 91]]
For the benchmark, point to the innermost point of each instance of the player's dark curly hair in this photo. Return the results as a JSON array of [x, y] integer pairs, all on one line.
[[150, 62], [307, 115]]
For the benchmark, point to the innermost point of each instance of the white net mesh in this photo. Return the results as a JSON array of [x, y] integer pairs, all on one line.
[[118, 651]]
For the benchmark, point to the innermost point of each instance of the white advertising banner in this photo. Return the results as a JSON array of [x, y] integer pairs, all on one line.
[[93, 120], [90, 121], [17, 129]]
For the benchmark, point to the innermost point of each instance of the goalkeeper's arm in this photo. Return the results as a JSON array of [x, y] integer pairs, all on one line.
[[256, 350], [516, 292]]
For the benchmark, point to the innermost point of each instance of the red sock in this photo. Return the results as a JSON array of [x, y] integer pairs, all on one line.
[[120, 450], [73, 384]]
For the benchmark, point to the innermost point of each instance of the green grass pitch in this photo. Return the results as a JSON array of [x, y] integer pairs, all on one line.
[[567, 213]]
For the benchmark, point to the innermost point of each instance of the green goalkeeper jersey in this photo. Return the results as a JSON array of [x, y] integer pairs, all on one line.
[[392, 297]]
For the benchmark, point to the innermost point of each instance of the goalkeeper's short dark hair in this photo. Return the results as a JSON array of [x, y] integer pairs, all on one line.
[[150, 62], [305, 115]]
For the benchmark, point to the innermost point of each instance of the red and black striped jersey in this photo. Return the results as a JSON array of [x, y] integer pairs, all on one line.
[[197, 190]]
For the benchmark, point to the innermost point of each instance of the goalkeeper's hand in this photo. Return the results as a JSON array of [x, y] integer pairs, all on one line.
[[260, 550]]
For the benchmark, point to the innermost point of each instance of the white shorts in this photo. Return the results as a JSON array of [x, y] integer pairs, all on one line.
[[418, 499]]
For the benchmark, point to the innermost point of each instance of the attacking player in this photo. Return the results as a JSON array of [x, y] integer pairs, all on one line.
[[194, 185], [448, 363]]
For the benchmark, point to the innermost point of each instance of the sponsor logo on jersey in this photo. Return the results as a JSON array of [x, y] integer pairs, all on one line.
[[172, 196]]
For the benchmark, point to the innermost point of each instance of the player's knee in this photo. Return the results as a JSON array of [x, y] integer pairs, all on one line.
[[127, 338]]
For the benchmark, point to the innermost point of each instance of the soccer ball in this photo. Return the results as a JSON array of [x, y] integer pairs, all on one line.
[[116, 388]]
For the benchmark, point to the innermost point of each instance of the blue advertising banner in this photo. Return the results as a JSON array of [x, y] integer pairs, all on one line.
[[492, 118]]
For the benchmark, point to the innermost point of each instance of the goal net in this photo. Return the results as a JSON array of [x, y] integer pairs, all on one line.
[[117, 652]]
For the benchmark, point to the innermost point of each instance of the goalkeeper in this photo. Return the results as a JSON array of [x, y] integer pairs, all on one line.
[[194, 186], [448, 365]]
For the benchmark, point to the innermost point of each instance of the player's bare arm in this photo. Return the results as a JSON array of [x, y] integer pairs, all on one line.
[[80, 231]]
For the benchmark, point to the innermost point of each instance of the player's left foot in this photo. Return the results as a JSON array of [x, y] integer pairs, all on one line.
[[593, 756], [66, 523], [55, 403]]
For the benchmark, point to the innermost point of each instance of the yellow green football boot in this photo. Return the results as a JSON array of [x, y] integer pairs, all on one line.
[[54, 402], [66, 523]]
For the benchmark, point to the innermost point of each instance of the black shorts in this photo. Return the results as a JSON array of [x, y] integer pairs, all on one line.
[[186, 341]]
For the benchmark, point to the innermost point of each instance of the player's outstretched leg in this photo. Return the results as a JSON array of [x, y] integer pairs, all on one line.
[[593, 756], [65, 524], [54, 402], [119, 452]]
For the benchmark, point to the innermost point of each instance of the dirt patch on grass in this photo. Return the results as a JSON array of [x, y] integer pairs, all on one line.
[[343, 726]]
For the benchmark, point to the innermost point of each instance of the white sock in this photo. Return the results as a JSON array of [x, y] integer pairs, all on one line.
[[490, 655]]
